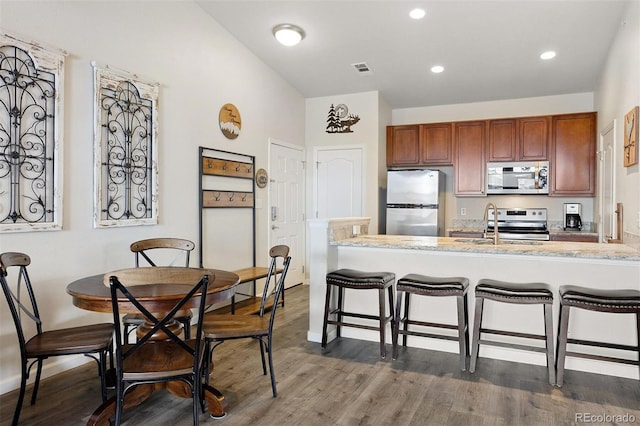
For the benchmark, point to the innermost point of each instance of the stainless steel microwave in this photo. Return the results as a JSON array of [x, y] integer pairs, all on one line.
[[518, 178]]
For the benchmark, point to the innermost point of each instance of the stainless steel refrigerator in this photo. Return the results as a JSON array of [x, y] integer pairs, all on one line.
[[415, 202]]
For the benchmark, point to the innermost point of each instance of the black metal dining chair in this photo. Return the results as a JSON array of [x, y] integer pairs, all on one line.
[[171, 250], [221, 327], [149, 360], [93, 340]]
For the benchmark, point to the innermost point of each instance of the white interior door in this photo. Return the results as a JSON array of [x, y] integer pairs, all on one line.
[[338, 182], [286, 204], [607, 184]]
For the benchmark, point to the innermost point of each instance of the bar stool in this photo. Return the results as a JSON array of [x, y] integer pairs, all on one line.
[[611, 301], [360, 280], [529, 293], [432, 286]]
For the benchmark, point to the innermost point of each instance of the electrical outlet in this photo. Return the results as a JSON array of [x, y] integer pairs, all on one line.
[[463, 212]]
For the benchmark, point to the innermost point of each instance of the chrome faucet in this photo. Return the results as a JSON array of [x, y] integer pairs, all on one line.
[[495, 235]]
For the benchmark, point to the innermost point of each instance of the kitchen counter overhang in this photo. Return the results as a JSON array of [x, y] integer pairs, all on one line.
[[504, 247]]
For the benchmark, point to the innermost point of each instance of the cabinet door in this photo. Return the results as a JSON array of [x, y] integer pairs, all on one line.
[[533, 137], [469, 157], [501, 142], [403, 148], [573, 155], [436, 144]]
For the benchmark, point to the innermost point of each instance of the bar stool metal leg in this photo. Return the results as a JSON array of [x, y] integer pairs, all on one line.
[[561, 350], [477, 320], [463, 330]]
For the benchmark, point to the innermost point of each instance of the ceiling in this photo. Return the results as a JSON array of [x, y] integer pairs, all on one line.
[[490, 49]]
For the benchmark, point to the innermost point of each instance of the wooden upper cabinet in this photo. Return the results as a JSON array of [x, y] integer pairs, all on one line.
[[469, 157], [521, 139], [533, 138], [436, 144], [403, 145], [573, 155], [501, 141]]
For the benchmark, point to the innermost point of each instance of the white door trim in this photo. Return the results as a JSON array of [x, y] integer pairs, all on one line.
[[611, 127], [316, 150]]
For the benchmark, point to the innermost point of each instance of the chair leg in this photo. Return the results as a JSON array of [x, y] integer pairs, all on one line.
[[462, 330], [548, 331], [475, 343], [23, 388], [381, 307], [262, 350], [271, 371], [405, 318], [36, 383], [186, 324], [340, 310], [102, 367], [327, 302], [638, 335], [561, 349], [395, 328]]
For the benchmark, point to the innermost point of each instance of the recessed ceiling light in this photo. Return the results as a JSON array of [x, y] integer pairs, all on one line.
[[437, 69], [548, 55], [417, 13], [288, 34]]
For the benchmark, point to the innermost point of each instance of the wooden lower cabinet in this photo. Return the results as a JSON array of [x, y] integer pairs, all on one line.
[[574, 238]]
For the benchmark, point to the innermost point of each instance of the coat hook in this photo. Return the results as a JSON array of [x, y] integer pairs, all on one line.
[[231, 196], [217, 197], [244, 197], [225, 166]]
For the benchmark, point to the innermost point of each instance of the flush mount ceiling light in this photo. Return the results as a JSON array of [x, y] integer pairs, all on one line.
[[437, 69], [288, 34], [548, 55], [417, 13]]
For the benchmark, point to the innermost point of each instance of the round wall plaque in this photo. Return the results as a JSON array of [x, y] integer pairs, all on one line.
[[262, 178], [230, 122]]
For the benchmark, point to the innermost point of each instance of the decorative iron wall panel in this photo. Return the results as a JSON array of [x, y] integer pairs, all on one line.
[[125, 148], [30, 152]]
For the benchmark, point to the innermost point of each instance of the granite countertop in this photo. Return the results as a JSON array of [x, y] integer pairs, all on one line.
[[476, 245]]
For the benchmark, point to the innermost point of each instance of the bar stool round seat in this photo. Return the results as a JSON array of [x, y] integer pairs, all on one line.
[[360, 280], [518, 293], [424, 285], [625, 301]]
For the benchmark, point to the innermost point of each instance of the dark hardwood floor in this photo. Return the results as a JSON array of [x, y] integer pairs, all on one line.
[[349, 385]]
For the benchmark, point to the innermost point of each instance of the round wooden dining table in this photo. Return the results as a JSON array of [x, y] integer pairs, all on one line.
[[90, 293]]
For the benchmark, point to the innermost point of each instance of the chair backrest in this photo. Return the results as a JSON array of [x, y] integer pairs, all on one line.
[[181, 248], [276, 252], [196, 282], [13, 269]]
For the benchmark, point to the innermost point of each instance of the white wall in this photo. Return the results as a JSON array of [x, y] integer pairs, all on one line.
[[365, 133], [617, 92], [199, 67]]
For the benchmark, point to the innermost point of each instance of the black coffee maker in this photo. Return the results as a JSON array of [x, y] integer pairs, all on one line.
[[571, 216]]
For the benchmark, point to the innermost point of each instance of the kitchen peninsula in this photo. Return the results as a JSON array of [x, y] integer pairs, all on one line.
[[345, 243]]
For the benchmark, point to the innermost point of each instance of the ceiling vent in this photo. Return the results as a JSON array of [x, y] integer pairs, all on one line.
[[362, 68]]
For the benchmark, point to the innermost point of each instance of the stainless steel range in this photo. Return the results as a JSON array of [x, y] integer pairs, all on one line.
[[520, 224]]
